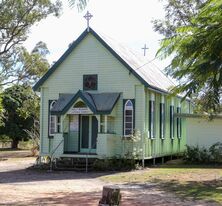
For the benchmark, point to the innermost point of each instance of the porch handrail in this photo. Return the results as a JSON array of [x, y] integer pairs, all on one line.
[[53, 152]]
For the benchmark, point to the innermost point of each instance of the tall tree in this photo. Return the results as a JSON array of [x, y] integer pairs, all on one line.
[[16, 19], [25, 67], [21, 108], [195, 43]]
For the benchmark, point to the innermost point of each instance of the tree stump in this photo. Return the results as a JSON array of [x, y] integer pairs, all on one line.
[[111, 196]]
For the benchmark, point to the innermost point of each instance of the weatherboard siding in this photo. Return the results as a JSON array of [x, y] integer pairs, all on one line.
[[158, 147], [91, 57], [44, 123]]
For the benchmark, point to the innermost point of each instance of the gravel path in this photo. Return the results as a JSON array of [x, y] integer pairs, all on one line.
[[21, 186]]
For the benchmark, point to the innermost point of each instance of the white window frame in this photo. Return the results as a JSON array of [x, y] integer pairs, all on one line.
[[130, 108], [162, 117], [52, 120], [179, 123], [152, 118]]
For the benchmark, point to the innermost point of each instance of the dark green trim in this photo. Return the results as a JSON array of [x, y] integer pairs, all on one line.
[[171, 122], [61, 59], [49, 113], [131, 70], [80, 95], [152, 119], [134, 118], [75, 44], [92, 107], [179, 124], [162, 120], [84, 79]]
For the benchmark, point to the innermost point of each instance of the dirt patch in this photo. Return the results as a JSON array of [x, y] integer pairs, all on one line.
[[22, 186], [8, 153]]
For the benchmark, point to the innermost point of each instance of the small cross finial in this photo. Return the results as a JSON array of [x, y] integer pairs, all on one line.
[[145, 48], [88, 16]]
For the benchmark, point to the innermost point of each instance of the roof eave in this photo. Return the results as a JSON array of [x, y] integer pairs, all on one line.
[[60, 60], [74, 44]]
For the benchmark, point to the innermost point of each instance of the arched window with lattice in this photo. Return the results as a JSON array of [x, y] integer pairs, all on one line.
[[128, 118]]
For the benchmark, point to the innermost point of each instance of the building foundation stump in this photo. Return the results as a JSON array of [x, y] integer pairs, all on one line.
[[111, 196]]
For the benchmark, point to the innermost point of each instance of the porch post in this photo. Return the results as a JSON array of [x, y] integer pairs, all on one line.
[[61, 123], [105, 123], [99, 120]]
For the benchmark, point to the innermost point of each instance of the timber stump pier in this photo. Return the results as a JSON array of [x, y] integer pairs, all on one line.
[[111, 196]]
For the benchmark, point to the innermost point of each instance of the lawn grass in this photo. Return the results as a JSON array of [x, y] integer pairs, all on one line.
[[201, 182]]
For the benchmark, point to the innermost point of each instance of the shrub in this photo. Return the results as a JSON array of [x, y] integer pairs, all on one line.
[[216, 152], [195, 154], [114, 163]]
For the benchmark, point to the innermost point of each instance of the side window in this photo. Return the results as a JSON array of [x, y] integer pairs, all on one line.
[[162, 120], [179, 123], [58, 124], [52, 120], [171, 121], [128, 118], [152, 116]]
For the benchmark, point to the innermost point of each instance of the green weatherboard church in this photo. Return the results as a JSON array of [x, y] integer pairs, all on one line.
[[99, 94]]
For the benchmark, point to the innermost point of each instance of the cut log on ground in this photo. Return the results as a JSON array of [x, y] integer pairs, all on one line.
[[111, 196]]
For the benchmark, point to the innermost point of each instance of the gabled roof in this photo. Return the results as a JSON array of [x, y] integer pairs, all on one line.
[[102, 103], [148, 75]]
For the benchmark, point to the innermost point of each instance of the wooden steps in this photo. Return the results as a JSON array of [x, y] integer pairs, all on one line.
[[73, 164]]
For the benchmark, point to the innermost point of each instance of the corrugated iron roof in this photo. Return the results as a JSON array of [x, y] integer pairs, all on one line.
[[144, 68], [149, 75], [61, 103], [101, 103]]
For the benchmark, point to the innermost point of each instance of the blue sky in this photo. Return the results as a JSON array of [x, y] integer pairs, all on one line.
[[127, 21]]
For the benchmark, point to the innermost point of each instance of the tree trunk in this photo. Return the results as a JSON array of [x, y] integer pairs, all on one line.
[[15, 144], [111, 196]]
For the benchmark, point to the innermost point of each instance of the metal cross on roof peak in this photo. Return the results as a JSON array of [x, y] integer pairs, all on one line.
[[88, 16], [145, 48]]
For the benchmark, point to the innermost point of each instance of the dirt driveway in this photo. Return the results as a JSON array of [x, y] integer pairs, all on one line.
[[21, 186]]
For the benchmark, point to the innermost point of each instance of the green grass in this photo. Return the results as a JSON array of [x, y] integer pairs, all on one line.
[[201, 182]]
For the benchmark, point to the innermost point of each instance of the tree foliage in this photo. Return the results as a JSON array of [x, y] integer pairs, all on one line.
[[177, 13], [81, 4], [16, 19], [25, 67], [195, 42], [21, 108]]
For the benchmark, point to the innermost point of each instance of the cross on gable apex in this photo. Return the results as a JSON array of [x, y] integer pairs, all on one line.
[[88, 16]]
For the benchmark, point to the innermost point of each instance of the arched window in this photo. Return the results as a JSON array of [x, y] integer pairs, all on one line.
[[54, 121], [80, 104], [128, 118]]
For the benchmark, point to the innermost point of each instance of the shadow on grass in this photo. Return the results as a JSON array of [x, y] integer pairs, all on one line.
[[196, 190], [180, 163]]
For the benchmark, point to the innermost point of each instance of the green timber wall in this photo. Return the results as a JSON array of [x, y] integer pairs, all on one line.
[[89, 57], [158, 147]]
